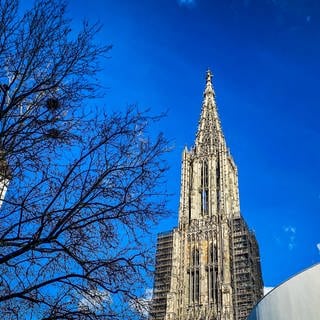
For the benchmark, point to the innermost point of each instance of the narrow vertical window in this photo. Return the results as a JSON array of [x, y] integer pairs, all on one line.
[[190, 190], [194, 277], [215, 263], [191, 290], [212, 273], [197, 286], [218, 183], [204, 189], [215, 253], [213, 284]]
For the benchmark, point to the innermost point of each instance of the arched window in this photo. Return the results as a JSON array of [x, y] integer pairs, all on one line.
[[204, 189]]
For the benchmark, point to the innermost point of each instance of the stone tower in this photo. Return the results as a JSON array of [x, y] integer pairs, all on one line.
[[208, 268]]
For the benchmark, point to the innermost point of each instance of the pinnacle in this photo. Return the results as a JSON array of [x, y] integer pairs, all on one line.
[[209, 76], [209, 89]]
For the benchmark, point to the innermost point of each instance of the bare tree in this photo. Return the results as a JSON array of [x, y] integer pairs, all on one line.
[[46, 73], [84, 188]]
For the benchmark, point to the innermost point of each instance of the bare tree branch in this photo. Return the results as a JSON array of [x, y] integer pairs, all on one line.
[[83, 188]]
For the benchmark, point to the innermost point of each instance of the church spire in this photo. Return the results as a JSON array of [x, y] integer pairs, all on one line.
[[209, 129]]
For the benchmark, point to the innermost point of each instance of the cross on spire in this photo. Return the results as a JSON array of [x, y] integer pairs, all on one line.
[[209, 88]]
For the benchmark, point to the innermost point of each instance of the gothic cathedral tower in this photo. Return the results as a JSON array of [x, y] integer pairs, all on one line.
[[208, 268]]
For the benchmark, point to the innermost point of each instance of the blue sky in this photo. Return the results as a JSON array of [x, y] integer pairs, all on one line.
[[265, 59]]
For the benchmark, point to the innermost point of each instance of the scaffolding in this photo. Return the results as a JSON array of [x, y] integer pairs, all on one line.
[[162, 278], [247, 279]]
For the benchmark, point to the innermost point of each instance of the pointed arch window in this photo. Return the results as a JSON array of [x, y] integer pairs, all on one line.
[[204, 189]]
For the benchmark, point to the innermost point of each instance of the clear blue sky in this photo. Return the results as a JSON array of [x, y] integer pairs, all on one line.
[[265, 56]]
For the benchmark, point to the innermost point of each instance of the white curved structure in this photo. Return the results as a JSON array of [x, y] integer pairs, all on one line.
[[296, 299]]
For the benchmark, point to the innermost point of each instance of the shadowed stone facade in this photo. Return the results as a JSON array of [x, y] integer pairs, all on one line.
[[212, 260]]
